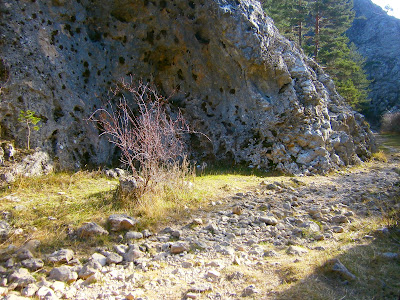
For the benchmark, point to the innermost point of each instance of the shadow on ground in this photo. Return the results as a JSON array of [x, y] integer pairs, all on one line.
[[375, 263]]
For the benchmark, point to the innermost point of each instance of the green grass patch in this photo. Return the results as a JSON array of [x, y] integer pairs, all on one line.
[[50, 207], [47, 207], [389, 140]]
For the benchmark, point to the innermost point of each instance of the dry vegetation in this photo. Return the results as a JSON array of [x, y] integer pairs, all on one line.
[[49, 208], [391, 123]]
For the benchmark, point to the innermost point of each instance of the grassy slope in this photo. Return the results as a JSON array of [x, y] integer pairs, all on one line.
[[47, 207]]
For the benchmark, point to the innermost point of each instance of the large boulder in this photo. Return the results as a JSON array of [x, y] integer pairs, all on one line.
[[120, 222], [33, 264], [36, 164], [259, 100], [63, 273], [130, 187], [61, 256]]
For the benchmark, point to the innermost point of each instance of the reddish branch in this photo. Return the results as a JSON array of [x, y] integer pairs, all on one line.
[[147, 137]]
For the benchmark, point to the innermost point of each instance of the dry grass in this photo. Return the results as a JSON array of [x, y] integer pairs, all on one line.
[[45, 208], [380, 156], [377, 277], [49, 207], [89, 196]]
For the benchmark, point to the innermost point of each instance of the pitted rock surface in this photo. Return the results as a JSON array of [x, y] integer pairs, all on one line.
[[259, 100]]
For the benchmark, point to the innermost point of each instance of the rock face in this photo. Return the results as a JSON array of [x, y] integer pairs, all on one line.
[[258, 99], [377, 37]]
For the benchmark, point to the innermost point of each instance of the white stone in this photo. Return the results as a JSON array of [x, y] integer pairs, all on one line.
[[58, 286], [44, 292], [101, 259], [213, 274]]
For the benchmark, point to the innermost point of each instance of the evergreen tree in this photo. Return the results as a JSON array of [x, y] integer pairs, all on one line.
[[291, 16], [351, 79], [331, 20], [319, 27]]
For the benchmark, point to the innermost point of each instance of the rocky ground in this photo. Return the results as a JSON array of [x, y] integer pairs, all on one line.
[[237, 247]]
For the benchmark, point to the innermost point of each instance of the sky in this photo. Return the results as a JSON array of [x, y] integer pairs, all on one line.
[[395, 4]]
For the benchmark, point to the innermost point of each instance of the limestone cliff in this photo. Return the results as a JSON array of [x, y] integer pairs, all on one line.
[[259, 99], [377, 37]]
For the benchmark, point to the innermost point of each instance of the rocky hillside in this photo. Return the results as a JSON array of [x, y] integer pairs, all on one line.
[[377, 36], [259, 100]]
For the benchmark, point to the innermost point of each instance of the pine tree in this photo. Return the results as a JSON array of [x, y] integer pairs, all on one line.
[[319, 27], [290, 16], [331, 19], [351, 79]]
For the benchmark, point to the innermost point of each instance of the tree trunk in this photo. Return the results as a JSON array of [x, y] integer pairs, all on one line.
[[317, 19], [300, 25], [29, 135]]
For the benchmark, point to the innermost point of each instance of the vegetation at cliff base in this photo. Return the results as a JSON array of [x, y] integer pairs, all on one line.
[[61, 202], [390, 123]]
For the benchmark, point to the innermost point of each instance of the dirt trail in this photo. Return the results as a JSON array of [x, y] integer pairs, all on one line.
[[268, 242]]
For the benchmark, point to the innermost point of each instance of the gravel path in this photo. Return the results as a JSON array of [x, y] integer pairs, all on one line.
[[235, 248]]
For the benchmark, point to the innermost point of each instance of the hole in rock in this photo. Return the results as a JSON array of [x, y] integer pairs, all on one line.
[[201, 38], [192, 4], [58, 113]]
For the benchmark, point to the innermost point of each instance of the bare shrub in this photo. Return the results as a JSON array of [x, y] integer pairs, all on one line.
[[391, 122], [149, 138]]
